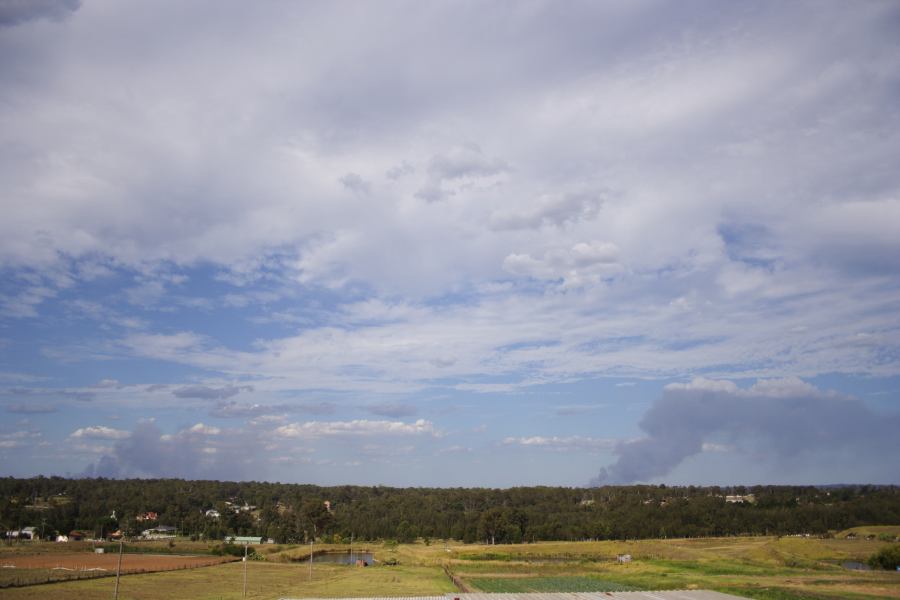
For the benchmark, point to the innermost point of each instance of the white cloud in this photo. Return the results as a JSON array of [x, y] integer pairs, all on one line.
[[202, 429], [100, 432], [562, 443], [358, 427]]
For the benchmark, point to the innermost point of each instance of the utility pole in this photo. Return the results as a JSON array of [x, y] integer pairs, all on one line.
[[118, 569], [245, 569], [351, 550], [310, 559]]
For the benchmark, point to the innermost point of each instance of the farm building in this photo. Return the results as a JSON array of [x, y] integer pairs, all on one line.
[[243, 539], [159, 533]]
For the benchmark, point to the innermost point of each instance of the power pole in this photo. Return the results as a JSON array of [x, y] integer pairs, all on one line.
[[310, 559], [118, 569], [245, 569]]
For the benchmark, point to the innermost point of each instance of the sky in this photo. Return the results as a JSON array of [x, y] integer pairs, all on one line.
[[451, 243]]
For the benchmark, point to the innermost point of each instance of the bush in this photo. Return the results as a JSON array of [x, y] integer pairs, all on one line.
[[232, 550], [887, 558]]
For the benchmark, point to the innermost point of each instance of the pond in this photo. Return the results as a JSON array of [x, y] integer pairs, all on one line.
[[855, 566], [342, 558]]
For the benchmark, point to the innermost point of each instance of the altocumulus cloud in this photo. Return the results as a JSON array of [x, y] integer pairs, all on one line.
[[789, 420], [204, 392], [100, 432], [356, 427]]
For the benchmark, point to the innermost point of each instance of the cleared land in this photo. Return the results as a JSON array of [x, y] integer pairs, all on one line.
[[754, 567], [29, 569]]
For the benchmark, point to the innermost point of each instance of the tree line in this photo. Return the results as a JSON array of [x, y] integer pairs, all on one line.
[[289, 513]]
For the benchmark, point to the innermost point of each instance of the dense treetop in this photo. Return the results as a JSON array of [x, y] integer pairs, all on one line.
[[293, 512]]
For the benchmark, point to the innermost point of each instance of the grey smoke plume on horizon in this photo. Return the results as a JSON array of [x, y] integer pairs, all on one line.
[[189, 454], [789, 419]]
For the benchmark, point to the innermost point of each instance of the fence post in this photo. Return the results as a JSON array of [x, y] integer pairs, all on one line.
[[118, 569]]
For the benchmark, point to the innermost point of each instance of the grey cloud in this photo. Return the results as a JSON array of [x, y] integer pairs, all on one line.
[[398, 171], [232, 409], [553, 210], [458, 163], [317, 408], [15, 12], [204, 392], [432, 193], [355, 183], [785, 419], [465, 161], [392, 410], [31, 409]]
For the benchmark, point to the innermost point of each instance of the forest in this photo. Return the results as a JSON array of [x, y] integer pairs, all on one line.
[[291, 513]]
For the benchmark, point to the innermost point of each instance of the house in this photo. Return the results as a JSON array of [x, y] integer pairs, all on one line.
[[29, 533], [147, 516], [749, 498], [62, 538], [212, 513], [162, 532]]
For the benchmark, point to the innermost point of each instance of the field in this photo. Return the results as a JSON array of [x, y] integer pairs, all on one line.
[[766, 568], [24, 569]]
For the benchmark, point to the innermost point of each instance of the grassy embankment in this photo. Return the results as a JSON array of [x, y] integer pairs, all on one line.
[[765, 568]]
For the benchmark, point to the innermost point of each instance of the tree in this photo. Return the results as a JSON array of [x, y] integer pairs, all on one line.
[[888, 558]]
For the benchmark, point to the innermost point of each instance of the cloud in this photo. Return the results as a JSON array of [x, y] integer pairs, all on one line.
[[464, 161], [203, 429], [359, 427], [786, 419], [556, 210], [355, 183], [392, 410], [16, 12], [457, 167], [99, 432], [204, 392], [31, 409], [400, 170], [583, 263], [561, 443], [592, 209]]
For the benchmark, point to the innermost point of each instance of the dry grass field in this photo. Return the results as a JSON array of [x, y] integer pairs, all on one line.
[[766, 568]]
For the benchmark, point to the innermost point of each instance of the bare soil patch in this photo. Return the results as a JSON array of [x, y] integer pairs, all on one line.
[[130, 562]]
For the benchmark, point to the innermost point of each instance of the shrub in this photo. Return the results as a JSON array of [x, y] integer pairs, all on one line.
[[887, 558]]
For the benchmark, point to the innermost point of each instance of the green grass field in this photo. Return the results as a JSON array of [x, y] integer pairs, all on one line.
[[765, 568]]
